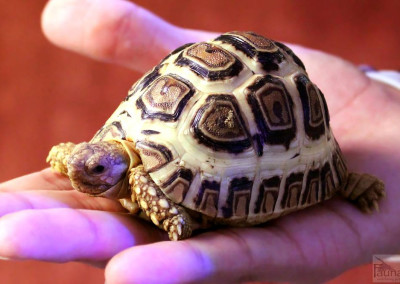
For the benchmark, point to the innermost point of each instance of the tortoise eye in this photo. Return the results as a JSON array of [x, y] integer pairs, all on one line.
[[98, 169]]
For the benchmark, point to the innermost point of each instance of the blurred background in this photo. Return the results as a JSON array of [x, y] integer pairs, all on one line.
[[47, 95]]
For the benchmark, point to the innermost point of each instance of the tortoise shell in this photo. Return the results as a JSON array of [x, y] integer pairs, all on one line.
[[232, 128]]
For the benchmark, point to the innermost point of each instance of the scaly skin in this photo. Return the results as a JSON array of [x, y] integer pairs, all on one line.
[[162, 212], [364, 190], [58, 157]]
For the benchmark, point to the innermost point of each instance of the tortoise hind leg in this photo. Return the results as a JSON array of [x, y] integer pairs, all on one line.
[[364, 190], [159, 209]]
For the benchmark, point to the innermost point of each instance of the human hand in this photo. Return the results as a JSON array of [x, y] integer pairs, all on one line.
[[42, 218]]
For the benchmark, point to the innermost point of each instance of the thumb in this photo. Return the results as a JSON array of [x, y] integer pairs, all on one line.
[[114, 31]]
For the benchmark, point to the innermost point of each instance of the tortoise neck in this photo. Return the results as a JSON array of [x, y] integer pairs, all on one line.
[[130, 149]]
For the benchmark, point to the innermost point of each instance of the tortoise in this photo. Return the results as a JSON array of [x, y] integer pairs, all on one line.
[[228, 132]]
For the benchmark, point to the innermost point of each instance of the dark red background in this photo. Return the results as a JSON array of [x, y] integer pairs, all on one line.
[[49, 95]]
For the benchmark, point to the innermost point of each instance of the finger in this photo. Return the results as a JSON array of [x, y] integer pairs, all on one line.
[[298, 249], [217, 258], [45, 179], [62, 234], [124, 33], [113, 31], [14, 201]]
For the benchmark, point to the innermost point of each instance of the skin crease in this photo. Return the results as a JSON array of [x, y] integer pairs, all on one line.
[[312, 245]]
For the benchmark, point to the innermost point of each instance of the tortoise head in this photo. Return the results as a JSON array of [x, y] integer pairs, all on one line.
[[101, 168]]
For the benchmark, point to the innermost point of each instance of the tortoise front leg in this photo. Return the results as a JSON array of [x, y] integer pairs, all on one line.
[[162, 212], [130, 204], [58, 157]]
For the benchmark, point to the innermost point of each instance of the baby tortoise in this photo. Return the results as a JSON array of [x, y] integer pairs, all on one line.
[[225, 132]]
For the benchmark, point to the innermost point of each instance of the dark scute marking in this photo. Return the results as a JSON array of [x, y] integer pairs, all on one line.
[[257, 40], [293, 186], [276, 107], [206, 184], [238, 43], [114, 130], [269, 135], [269, 187], [208, 189], [178, 184], [145, 146], [270, 60], [315, 107], [256, 110], [327, 182], [238, 188], [175, 51], [229, 72], [149, 132], [126, 113], [292, 54], [183, 173], [181, 48], [311, 191], [178, 108], [118, 125], [210, 55], [278, 112], [313, 118], [145, 81], [234, 145], [220, 122], [132, 90], [326, 111], [231, 147], [148, 79]]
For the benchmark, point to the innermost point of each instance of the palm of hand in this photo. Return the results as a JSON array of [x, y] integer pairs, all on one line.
[[313, 244]]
